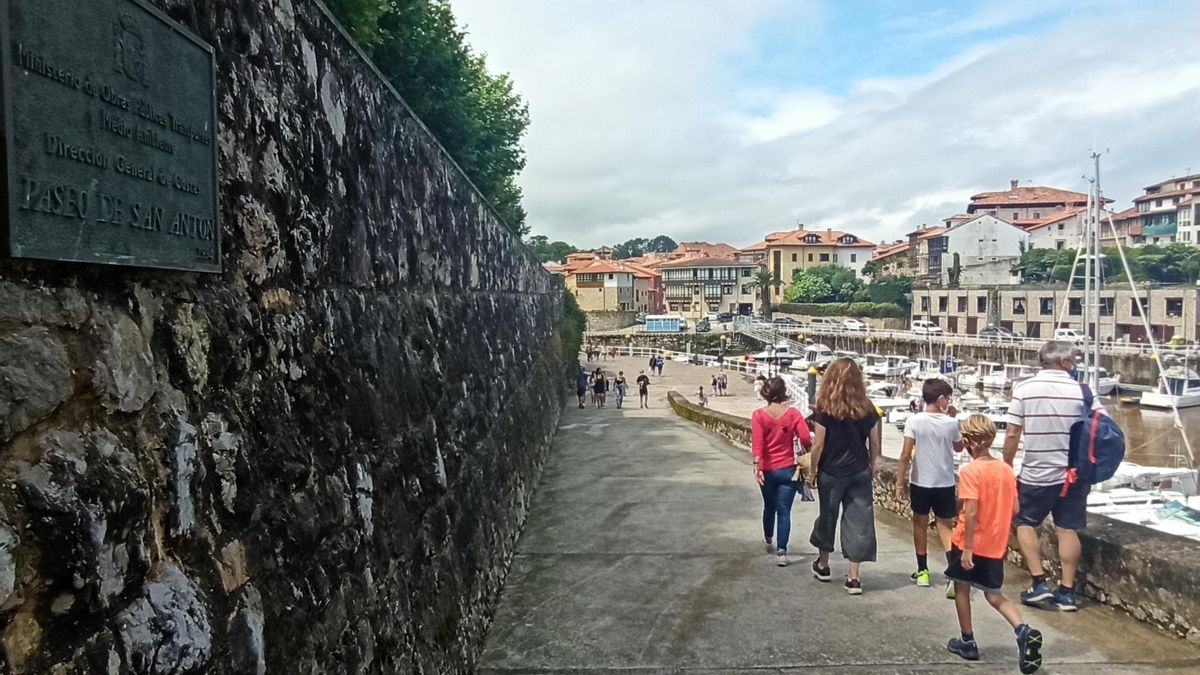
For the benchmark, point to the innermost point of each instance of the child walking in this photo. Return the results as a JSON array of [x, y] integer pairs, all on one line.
[[931, 438], [987, 490]]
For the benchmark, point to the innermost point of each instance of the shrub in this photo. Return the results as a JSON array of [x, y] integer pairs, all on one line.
[[875, 310]]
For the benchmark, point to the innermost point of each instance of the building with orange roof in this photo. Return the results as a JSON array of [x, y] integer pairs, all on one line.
[[612, 285], [1166, 212], [892, 259], [699, 285], [704, 249], [785, 252], [1025, 203]]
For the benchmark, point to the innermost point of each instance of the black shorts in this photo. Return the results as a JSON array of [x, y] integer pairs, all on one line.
[[942, 501], [987, 575], [1038, 501]]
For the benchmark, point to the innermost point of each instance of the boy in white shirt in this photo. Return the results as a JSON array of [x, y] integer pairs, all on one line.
[[930, 440]]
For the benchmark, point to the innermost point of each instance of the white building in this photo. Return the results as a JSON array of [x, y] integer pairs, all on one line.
[[988, 249]]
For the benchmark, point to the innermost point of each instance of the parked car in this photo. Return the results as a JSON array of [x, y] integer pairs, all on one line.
[[824, 323], [786, 322], [703, 326], [725, 317], [855, 325], [640, 318], [921, 327], [998, 334], [1175, 341], [1070, 335]]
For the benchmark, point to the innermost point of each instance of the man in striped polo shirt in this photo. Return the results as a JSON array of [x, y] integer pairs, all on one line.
[[1042, 411]]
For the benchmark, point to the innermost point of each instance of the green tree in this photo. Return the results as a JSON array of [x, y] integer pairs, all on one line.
[[809, 288], [872, 269], [477, 116], [661, 244], [361, 19], [893, 290], [549, 251], [763, 281]]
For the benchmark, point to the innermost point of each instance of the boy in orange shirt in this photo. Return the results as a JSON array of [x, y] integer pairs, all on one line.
[[987, 493]]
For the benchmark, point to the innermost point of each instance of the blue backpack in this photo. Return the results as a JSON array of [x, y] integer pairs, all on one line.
[[1097, 446]]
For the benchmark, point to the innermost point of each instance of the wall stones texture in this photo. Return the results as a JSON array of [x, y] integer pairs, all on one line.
[[317, 461]]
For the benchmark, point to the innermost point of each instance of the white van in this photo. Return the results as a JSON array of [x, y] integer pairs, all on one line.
[[922, 327], [1070, 335]]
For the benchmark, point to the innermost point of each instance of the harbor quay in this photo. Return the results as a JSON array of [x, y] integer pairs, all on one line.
[[642, 553]]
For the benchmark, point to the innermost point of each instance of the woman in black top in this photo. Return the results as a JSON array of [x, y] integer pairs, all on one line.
[[845, 447], [599, 387]]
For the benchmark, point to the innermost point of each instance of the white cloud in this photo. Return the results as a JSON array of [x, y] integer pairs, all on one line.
[[643, 122]]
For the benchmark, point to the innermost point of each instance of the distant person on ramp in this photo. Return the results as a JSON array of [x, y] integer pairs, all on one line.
[[581, 385], [643, 383], [846, 446], [775, 430], [619, 385]]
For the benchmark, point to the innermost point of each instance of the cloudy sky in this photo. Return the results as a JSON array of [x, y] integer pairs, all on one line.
[[722, 120]]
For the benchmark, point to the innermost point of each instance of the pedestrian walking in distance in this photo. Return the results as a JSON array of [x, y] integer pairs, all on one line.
[[987, 491], [619, 385], [643, 383], [581, 385], [845, 449], [701, 398], [931, 438], [777, 432], [599, 387]]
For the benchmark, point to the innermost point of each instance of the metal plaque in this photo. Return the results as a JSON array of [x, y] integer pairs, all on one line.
[[110, 136]]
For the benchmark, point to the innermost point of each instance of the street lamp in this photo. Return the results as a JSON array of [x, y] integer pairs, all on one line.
[[721, 354]]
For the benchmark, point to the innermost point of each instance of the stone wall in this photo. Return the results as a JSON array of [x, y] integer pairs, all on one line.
[[609, 320], [317, 461], [1148, 574]]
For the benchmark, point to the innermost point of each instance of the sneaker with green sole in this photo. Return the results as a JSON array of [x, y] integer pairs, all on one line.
[[922, 578]]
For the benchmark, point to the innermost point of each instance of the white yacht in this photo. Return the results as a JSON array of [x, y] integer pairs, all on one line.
[[887, 395], [1180, 386], [1008, 375], [817, 355], [1106, 385], [970, 378]]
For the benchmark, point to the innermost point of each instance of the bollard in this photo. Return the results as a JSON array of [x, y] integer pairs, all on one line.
[[812, 382]]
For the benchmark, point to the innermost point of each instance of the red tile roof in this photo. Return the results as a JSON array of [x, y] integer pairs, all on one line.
[[1027, 196], [885, 250], [1035, 224], [796, 238], [706, 261], [719, 250]]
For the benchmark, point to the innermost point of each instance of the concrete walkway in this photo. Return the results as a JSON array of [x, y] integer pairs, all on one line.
[[642, 553]]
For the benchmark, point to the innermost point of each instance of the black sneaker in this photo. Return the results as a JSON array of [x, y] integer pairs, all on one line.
[[821, 573], [853, 586], [966, 649], [1029, 642]]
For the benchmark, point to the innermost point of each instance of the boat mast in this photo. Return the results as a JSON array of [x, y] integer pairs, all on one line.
[[1087, 281], [1093, 343]]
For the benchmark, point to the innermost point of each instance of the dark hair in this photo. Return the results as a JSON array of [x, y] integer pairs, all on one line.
[[935, 388], [774, 391]]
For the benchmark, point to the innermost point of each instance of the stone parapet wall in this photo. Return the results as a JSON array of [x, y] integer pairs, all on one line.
[[735, 429], [316, 461], [609, 320], [1148, 574]]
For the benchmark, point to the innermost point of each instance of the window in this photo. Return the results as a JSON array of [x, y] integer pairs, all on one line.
[[746, 289], [1016, 215], [1133, 306], [793, 257], [810, 257], [1075, 306], [853, 257], [1036, 215], [1106, 306], [810, 238], [1157, 203], [1018, 305], [745, 272], [962, 304], [924, 303], [1174, 306], [1143, 207], [1046, 306], [824, 257], [981, 304], [726, 289], [610, 277], [834, 257], [1058, 245], [778, 260], [1061, 227], [943, 303], [849, 239]]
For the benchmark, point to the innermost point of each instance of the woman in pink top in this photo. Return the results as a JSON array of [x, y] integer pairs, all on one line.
[[775, 428]]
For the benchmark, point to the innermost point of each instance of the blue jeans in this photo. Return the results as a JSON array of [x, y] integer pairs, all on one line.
[[778, 493]]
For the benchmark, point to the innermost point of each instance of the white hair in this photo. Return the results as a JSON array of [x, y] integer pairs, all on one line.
[[1055, 352]]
